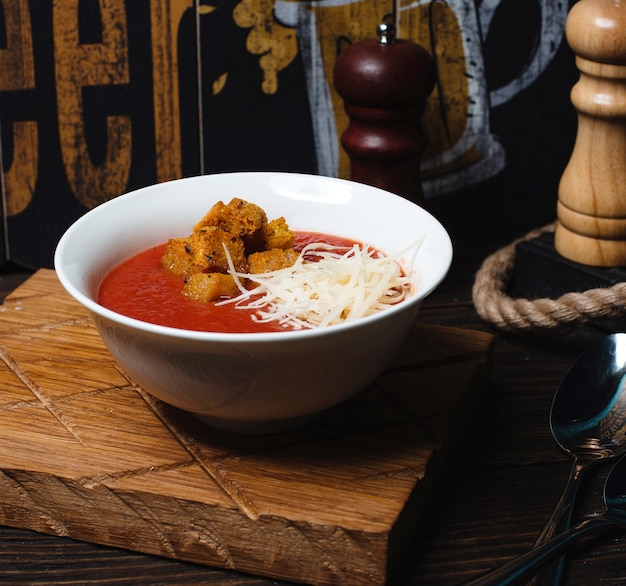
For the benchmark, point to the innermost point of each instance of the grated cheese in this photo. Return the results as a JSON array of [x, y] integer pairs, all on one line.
[[342, 284]]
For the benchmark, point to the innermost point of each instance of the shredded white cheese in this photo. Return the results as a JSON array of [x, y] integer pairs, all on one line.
[[343, 284]]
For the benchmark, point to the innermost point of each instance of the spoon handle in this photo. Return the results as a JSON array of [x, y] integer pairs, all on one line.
[[524, 565], [560, 521], [561, 518]]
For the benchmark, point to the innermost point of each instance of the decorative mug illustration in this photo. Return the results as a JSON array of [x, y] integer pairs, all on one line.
[[462, 149]]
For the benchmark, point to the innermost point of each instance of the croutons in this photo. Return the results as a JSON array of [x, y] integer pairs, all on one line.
[[271, 260], [238, 217], [237, 233], [277, 234], [208, 244], [209, 286], [203, 252], [179, 258]]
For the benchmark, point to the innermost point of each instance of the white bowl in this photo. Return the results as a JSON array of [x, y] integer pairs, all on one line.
[[259, 382]]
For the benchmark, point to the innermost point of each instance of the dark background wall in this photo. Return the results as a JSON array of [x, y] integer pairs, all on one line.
[[219, 119]]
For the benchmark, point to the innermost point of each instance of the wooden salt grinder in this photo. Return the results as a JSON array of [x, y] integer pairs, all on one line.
[[591, 210], [384, 83]]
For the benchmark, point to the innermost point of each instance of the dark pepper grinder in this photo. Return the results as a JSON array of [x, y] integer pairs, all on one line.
[[384, 84]]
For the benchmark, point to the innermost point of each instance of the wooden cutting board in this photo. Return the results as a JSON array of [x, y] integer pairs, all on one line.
[[87, 454]]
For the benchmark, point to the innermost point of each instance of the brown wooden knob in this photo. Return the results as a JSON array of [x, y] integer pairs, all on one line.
[[591, 209], [384, 83]]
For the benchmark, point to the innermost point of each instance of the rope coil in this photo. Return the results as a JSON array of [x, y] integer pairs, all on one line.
[[544, 314]]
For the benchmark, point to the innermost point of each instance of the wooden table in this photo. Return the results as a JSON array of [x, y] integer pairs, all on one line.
[[499, 492]]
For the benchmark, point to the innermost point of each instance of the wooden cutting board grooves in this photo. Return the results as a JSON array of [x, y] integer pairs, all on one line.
[[85, 453]]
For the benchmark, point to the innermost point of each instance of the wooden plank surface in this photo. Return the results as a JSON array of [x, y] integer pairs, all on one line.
[[87, 454]]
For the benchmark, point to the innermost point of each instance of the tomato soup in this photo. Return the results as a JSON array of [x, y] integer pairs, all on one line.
[[142, 289]]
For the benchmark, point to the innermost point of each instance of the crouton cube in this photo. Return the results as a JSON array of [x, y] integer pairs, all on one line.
[[239, 217], [180, 258], [207, 287], [278, 235], [208, 246], [203, 252], [212, 217], [271, 260]]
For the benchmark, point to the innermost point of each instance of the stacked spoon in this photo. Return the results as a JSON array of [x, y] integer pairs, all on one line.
[[588, 421]]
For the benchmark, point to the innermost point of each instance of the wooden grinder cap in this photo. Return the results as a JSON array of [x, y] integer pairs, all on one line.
[[384, 83]]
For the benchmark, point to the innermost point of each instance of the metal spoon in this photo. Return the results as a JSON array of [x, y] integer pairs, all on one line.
[[613, 516], [588, 421]]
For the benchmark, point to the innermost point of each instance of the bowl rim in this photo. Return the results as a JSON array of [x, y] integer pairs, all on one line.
[[446, 255]]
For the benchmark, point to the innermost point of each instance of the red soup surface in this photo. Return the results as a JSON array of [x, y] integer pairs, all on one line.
[[142, 289]]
